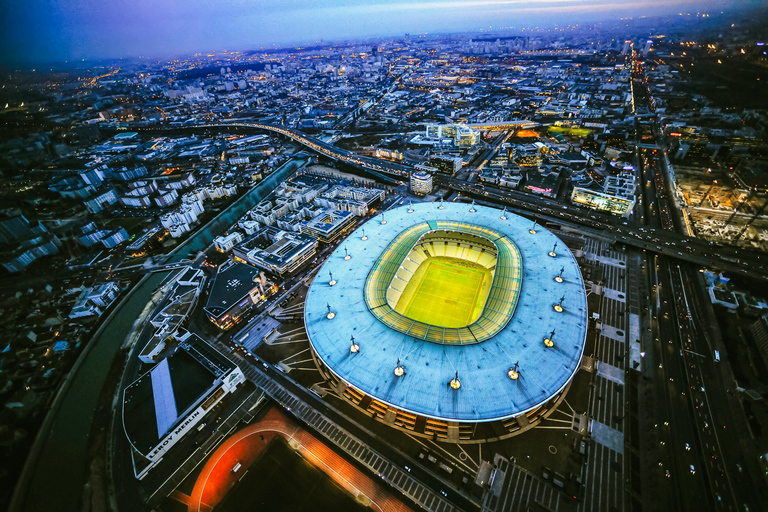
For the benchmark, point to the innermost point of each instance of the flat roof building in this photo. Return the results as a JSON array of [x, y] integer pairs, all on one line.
[[165, 403], [328, 225], [236, 289], [277, 251]]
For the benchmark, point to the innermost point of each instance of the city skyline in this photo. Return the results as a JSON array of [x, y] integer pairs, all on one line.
[[468, 269], [46, 32]]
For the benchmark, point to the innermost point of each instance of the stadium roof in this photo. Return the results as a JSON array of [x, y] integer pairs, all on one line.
[[486, 392]]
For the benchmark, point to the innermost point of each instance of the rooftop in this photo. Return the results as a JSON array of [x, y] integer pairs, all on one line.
[[233, 281], [157, 400]]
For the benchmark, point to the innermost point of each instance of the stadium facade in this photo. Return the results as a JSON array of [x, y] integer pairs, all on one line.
[[458, 322]]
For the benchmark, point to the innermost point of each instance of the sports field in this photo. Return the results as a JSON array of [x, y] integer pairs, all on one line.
[[446, 292]]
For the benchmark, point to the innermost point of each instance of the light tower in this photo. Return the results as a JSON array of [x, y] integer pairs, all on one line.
[[548, 341], [455, 383], [514, 372], [552, 253]]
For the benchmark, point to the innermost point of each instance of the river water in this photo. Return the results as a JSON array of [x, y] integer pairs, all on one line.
[[57, 477]]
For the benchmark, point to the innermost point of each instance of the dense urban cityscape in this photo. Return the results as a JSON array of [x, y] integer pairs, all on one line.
[[511, 269]]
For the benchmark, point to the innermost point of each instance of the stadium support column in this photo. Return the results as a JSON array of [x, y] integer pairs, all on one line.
[[453, 432], [341, 387]]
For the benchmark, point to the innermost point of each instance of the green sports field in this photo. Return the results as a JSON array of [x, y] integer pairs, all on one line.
[[446, 292]]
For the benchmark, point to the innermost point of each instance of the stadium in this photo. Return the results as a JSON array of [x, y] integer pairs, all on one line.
[[458, 322]]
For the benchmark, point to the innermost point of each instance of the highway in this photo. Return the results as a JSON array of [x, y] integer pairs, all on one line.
[[697, 451]]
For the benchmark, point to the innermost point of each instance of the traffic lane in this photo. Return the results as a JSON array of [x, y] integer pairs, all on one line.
[[680, 430], [725, 411]]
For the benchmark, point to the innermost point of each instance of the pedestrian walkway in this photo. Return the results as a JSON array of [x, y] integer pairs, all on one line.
[[610, 372], [607, 436], [612, 332]]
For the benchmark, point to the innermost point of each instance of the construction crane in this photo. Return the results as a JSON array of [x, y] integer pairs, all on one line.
[[165, 116], [738, 207], [708, 191], [756, 215]]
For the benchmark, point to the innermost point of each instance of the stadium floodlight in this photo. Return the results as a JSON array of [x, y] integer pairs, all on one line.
[[514, 372], [347, 256], [504, 214], [355, 347], [473, 209], [332, 281], [455, 383], [559, 306], [552, 252], [559, 277], [365, 237], [533, 228], [399, 369], [548, 342]]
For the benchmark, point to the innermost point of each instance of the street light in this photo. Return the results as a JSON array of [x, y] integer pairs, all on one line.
[[399, 369], [347, 256], [332, 281], [331, 315], [559, 277], [513, 372], [355, 347], [559, 306]]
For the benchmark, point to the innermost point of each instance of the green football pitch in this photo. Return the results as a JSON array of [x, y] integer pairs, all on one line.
[[446, 292]]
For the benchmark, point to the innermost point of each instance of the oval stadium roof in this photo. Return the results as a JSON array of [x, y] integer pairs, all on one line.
[[486, 392]]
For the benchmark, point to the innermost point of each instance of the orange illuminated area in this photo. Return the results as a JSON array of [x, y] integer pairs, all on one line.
[[245, 446], [526, 133]]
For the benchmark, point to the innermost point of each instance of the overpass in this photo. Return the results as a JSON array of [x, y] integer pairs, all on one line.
[[373, 165]]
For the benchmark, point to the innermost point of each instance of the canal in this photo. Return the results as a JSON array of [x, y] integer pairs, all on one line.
[[54, 476]]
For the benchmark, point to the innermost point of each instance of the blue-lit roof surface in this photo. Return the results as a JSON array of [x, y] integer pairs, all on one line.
[[486, 391]]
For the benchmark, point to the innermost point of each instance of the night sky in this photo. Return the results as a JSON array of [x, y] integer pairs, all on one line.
[[48, 31]]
